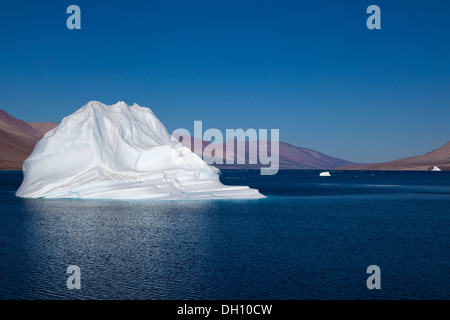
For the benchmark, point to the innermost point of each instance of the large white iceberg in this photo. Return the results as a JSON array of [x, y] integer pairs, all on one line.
[[119, 152]]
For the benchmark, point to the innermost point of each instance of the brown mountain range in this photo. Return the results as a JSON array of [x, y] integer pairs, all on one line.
[[17, 139], [439, 157], [290, 157]]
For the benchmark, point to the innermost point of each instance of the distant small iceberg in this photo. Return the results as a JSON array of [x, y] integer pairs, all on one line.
[[325, 174], [435, 169]]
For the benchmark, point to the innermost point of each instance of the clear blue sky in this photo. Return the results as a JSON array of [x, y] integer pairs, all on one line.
[[309, 68]]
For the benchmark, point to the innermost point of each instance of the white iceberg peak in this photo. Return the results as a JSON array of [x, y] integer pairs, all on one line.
[[119, 152]]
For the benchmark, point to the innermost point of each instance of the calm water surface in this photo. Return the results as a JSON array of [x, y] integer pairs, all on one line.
[[312, 238]]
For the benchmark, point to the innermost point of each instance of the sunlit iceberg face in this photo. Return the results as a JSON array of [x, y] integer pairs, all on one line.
[[119, 152]]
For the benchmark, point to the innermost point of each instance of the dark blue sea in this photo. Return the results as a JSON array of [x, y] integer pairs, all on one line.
[[312, 238]]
